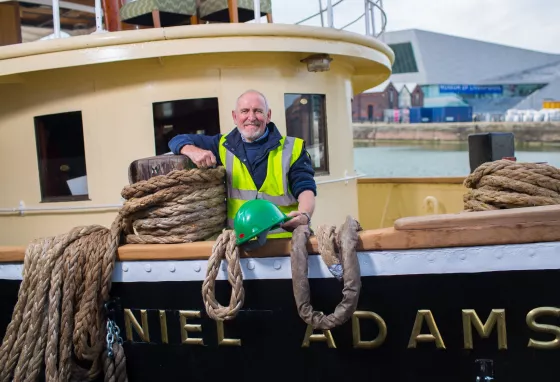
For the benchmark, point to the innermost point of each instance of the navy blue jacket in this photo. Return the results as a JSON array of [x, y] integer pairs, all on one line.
[[254, 155]]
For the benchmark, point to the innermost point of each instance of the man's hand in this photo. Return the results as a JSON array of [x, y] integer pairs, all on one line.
[[298, 219], [201, 158]]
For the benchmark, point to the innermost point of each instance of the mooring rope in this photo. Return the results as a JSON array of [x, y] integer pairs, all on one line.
[[507, 184], [343, 266], [224, 249], [59, 315], [180, 207], [346, 240]]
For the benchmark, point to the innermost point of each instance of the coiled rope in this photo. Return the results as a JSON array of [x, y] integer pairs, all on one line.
[[59, 319], [507, 184], [180, 207]]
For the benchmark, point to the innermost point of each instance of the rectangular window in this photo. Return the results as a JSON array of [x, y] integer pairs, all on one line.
[[405, 62], [306, 118], [61, 157], [186, 116]]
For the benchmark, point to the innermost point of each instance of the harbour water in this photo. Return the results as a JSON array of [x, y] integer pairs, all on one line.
[[427, 159]]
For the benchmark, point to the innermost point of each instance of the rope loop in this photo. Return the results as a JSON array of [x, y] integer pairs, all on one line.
[[224, 248], [344, 266]]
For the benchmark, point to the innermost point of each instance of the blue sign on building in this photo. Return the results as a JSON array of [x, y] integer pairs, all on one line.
[[471, 89]]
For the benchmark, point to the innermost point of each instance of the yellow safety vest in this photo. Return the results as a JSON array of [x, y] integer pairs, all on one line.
[[241, 187]]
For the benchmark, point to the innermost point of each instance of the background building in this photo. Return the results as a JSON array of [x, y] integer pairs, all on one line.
[[453, 72]]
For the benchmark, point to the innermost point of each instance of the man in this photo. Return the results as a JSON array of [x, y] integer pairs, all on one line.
[[259, 162]]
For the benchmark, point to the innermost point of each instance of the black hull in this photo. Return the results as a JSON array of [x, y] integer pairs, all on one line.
[[272, 333]]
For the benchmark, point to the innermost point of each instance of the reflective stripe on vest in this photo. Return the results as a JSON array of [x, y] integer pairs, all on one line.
[[275, 187]]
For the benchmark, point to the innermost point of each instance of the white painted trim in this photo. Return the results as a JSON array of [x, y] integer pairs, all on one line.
[[538, 256], [22, 208]]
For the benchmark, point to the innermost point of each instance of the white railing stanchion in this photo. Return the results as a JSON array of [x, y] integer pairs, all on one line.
[[368, 21], [372, 17], [98, 16], [330, 16], [321, 13], [56, 18], [257, 6]]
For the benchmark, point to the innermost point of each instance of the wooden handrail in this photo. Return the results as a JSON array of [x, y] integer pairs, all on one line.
[[516, 226], [482, 218]]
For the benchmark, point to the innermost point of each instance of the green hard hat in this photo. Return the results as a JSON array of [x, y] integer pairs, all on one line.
[[255, 218]]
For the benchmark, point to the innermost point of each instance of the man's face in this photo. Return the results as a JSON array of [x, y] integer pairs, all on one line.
[[251, 116]]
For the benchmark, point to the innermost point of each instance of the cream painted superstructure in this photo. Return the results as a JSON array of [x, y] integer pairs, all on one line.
[[115, 78]]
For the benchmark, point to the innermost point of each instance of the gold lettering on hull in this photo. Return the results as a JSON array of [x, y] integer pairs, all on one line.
[[543, 328], [470, 319], [163, 326], [130, 321], [415, 337], [357, 335], [186, 328], [310, 337], [221, 336]]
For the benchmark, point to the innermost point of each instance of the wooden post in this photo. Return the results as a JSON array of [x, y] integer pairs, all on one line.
[[10, 23], [111, 9], [195, 19], [233, 11], [155, 17]]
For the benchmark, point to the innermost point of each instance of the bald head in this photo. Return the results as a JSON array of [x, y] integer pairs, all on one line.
[[253, 93]]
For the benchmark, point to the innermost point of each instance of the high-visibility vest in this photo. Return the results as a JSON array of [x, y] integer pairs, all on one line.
[[241, 187]]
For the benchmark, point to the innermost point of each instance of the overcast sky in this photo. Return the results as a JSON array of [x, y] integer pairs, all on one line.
[[530, 24]]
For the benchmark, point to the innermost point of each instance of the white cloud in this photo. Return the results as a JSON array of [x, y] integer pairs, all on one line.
[[526, 24]]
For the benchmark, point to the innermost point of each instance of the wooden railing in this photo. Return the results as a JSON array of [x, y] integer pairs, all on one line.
[[514, 226]]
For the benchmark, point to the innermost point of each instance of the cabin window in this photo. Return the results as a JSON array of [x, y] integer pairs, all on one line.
[[61, 157], [306, 118], [187, 116]]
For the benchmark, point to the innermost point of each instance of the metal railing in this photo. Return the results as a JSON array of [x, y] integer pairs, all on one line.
[[371, 9]]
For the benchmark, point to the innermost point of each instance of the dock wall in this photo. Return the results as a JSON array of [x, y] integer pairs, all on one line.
[[524, 132]]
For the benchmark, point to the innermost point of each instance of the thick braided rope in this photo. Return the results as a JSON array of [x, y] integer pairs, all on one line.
[[174, 178], [180, 207], [348, 239], [44, 332], [224, 248], [115, 369], [59, 313], [506, 184]]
